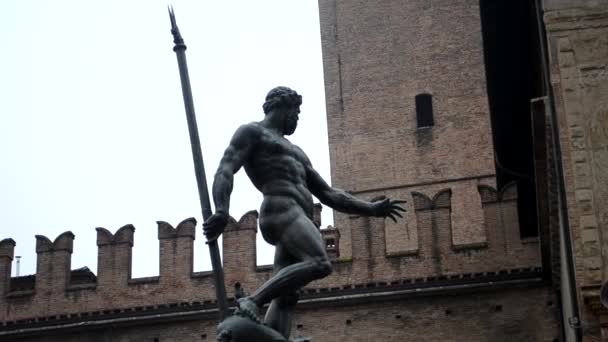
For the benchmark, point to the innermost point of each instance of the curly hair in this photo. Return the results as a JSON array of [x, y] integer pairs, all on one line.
[[281, 97]]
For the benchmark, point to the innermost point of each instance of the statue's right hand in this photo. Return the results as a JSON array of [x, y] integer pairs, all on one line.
[[385, 207], [215, 225]]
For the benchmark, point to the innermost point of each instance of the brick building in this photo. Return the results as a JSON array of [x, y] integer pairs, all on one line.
[[444, 103]]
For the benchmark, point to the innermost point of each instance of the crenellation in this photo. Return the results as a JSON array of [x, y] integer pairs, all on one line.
[[487, 193], [361, 237], [434, 222], [53, 263], [369, 249], [421, 201], [249, 221], [402, 237], [63, 242], [176, 249], [239, 250], [490, 195], [508, 192], [436, 256], [114, 258], [442, 199], [186, 228], [468, 226], [502, 225], [7, 250], [123, 235]]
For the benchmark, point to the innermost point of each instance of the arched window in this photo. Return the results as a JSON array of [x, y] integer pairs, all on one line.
[[424, 110]]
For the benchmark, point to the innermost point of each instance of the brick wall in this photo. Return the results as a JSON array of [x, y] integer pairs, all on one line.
[[53, 290], [515, 314], [377, 57]]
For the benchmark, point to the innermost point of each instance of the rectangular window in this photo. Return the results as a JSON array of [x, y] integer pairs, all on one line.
[[424, 110]]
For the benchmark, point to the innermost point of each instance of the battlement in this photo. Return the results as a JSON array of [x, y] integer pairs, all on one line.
[[430, 252], [123, 235], [7, 251], [7, 248], [435, 238]]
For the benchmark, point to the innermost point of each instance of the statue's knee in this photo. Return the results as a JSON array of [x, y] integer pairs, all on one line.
[[290, 299]]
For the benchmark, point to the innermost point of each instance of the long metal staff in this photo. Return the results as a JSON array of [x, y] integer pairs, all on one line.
[[199, 167]]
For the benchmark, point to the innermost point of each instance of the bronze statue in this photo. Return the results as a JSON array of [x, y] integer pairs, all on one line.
[[286, 178]]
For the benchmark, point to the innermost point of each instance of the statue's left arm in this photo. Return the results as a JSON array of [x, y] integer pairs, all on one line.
[[343, 201]]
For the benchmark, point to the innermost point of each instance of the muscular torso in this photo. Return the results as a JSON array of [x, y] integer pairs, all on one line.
[[278, 169]]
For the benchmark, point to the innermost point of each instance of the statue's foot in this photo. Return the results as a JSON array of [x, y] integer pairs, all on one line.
[[248, 308]]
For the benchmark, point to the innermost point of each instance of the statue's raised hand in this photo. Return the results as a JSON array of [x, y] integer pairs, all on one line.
[[215, 225], [385, 207]]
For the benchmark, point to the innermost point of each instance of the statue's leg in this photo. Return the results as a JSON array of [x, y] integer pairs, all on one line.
[[301, 239], [280, 312]]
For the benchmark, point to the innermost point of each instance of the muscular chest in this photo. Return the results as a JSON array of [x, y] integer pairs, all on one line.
[[274, 148], [271, 145]]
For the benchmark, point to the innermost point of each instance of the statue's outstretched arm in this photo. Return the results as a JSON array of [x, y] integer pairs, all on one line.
[[343, 201]]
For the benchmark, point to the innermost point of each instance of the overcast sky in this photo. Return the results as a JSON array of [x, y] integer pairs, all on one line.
[[92, 125]]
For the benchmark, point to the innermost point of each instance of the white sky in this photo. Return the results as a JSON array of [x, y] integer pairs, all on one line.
[[92, 125]]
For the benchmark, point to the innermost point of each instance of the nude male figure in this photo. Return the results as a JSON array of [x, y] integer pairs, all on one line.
[[286, 178]]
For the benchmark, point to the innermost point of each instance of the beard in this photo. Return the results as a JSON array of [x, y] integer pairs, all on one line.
[[290, 127]]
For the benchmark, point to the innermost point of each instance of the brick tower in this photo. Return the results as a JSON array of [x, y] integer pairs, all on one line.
[[408, 111]]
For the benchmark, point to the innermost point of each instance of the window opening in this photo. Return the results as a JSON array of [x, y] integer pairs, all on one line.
[[424, 110]]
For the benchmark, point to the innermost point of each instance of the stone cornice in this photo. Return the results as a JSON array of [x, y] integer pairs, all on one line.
[[335, 296]]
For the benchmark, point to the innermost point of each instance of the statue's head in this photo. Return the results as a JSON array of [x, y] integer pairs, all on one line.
[[287, 101]]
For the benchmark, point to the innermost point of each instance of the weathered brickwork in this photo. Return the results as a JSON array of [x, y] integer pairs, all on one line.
[[377, 57], [578, 44], [7, 251], [55, 291], [65, 299], [501, 315]]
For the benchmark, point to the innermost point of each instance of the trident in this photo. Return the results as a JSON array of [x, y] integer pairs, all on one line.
[[199, 167]]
